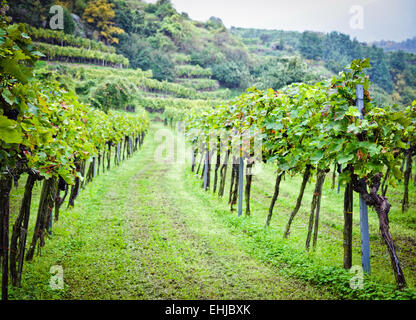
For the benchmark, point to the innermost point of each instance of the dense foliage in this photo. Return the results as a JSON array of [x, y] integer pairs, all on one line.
[[58, 37], [57, 127], [99, 14], [81, 55], [308, 128], [49, 135]]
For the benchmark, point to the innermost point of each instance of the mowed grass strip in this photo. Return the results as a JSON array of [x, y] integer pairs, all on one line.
[[140, 232]]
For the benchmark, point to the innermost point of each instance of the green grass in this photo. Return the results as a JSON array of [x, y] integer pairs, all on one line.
[[147, 230], [290, 258]]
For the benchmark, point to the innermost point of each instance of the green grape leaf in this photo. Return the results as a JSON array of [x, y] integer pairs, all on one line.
[[10, 132]]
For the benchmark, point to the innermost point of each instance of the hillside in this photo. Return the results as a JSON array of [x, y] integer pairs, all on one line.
[[205, 56], [332, 51]]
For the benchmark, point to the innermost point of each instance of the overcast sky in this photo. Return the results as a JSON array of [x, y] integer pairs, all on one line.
[[382, 19]]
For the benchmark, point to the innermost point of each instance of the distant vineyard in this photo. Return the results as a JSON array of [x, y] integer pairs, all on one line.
[[85, 79], [181, 58], [57, 37]]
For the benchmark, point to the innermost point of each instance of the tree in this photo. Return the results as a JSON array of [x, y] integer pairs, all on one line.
[[265, 37], [163, 67], [339, 50], [162, 42], [142, 55], [398, 60], [230, 74], [131, 21], [172, 28], [277, 73], [379, 73], [164, 9], [99, 14], [112, 93], [32, 12], [214, 23], [69, 24]]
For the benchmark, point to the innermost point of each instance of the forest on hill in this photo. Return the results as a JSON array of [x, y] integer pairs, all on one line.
[[156, 37], [408, 45]]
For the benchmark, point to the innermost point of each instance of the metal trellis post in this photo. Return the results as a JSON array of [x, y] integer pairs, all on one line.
[[240, 186], [365, 238]]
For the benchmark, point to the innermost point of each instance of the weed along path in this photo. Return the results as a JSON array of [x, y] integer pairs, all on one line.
[[145, 230]]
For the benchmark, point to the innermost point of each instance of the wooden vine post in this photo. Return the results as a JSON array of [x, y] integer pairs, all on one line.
[[50, 223], [5, 187], [365, 238], [194, 152]]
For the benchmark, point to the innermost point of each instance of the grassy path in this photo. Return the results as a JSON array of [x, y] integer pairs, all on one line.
[[145, 230]]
